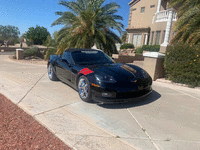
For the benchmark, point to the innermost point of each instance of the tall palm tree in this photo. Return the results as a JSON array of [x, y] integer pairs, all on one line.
[[187, 27], [88, 23]]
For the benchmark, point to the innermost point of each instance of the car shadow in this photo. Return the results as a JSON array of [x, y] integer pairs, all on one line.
[[137, 102]]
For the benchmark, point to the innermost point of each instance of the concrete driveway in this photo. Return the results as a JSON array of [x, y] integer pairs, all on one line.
[[168, 119]]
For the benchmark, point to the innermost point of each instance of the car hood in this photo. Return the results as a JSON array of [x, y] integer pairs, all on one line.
[[118, 71]]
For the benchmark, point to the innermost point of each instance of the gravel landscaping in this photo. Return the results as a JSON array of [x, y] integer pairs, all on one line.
[[18, 130]]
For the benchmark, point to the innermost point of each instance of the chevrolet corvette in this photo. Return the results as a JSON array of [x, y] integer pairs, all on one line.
[[97, 77]]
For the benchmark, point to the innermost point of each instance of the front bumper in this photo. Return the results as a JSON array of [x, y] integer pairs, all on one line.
[[112, 96]]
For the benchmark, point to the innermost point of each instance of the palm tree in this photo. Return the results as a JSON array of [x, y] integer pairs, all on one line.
[[88, 23], [187, 27]]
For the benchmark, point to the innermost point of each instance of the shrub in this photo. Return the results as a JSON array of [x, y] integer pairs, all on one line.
[[50, 51], [29, 43], [33, 51], [126, 46], [150, 48], [1, 42], [139, 50], [182, 64], [10, 43]]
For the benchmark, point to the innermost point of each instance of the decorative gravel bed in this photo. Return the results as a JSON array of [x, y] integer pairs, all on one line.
[[20, 131]]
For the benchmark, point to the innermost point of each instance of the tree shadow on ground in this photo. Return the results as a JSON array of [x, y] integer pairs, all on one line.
[[135, 103]]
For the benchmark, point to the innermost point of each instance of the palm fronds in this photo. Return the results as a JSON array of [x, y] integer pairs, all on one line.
[[187, 28], [88, 23]]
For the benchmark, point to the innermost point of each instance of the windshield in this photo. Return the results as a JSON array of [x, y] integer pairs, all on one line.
[[90, 57]]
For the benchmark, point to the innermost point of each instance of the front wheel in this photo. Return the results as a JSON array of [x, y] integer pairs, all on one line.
[[51, 73], [84, 89]]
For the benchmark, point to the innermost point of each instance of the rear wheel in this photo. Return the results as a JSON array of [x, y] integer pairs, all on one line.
[[84, 89], [51, 73]]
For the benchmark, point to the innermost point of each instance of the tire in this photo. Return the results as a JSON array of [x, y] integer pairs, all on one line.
[[84, 89], [51, 73]]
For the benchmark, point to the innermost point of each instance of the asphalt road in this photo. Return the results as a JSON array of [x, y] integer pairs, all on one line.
[[168, 119]]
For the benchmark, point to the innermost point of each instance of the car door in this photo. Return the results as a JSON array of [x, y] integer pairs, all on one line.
[[64, 68]]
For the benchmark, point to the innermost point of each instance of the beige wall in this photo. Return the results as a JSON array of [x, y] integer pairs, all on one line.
[[160, 26], [142, 20], [138, 21], [155, 67]]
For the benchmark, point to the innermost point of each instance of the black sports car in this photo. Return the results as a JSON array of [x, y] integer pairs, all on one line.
[[97, 77]]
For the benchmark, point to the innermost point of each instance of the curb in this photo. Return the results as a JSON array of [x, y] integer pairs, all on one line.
[[163, 80]]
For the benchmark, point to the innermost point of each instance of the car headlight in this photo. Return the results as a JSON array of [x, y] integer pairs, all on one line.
[[105, 78], [145, 74]]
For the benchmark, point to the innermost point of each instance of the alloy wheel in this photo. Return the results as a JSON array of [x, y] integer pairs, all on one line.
[[83, 88]]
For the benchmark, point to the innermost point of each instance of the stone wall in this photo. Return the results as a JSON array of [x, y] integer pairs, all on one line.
[[13, 49], [128, 58], [10, 49]]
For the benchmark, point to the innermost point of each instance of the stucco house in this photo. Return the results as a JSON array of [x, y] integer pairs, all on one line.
[[150, 22]]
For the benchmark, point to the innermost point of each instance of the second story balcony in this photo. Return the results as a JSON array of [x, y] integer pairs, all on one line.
[[163, 16]]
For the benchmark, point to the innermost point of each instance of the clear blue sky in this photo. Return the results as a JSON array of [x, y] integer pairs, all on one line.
[[29, 13]]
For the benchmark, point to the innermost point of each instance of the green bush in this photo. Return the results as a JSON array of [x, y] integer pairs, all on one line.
[[1, 42], [50, 51], [139, 50], [150, 48], [182, 63], [29, 43], [126, 46], [33, 51]]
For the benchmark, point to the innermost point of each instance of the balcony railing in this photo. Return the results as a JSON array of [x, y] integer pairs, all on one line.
[[162, 16]]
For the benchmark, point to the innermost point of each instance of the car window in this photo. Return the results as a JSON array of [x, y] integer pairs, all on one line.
[[67, 56], [90, 57]]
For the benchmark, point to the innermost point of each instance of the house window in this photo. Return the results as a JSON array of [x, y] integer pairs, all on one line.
[[152, 6], [157, 38], [142, 9], [134, 9], [152, 37], [137, 38]]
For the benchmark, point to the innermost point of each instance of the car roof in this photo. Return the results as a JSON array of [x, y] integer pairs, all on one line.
[[81, 49]]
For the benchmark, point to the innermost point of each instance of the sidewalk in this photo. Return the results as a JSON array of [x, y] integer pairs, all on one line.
[[163, 80]]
